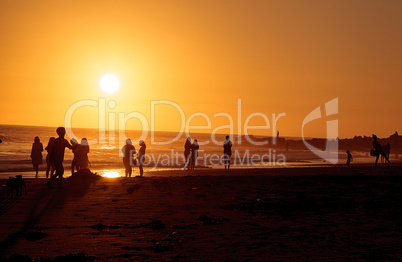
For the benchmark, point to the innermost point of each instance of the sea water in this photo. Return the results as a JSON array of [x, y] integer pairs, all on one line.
[[106, 158]]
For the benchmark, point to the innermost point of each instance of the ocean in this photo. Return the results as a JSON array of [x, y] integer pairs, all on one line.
[[164, 151]]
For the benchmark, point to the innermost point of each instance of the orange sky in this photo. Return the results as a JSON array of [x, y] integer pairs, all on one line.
[[277, 56]]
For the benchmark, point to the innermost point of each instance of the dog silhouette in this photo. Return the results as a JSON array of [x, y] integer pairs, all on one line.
[[15, 184]]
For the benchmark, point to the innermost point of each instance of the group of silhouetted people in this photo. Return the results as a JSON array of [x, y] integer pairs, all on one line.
[[190, 153], [56, 147], [377, 151], [55, 155], [129, 160]]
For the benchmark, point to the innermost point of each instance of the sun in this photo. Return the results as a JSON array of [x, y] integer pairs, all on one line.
[[109, 83]]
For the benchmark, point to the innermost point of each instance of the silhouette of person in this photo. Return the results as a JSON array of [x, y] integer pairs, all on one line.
[[194, 154], [36, 155], [57, 154], [128, 159], [141, 156], [227, 152], [81, 153], [350, 158], [187, 153], [387, 150], [49, 164], [378, 150], [75, 144], [1, 141]]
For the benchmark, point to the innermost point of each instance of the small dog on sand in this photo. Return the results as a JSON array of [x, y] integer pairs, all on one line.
[[15, 184]]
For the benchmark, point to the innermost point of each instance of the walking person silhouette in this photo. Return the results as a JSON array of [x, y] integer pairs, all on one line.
[[57, 154], [49, 164], [378, 150], [227, 152]]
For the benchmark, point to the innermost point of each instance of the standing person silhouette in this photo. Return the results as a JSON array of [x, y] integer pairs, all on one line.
[[378, 150], [49, 164], [141, 156], [36, 155], [128, 158], [57, 154], [74, 165], [82, 155], [350, 158], [194, 154], [227, 152], [187, 153]]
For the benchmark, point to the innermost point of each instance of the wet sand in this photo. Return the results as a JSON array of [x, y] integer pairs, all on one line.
[[303, 214]]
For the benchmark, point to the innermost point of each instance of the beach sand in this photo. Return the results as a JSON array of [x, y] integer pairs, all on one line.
[[299, 214]]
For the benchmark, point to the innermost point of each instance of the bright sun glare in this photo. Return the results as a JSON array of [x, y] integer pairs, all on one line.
[[109, 83], [111, 174]]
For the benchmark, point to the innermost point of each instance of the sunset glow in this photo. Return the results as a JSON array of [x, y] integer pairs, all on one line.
[[109, 83], [277, 57], [111, 174]]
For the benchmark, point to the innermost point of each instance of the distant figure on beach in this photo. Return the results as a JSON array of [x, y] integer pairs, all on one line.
[[81, 153], [187, 153], [194, 154], [141, 156], [387, 150], [350, 158], [75, 144], [36, 155], [128, 157], [378, 150], [57, 154], [49, 164], [227, 152]]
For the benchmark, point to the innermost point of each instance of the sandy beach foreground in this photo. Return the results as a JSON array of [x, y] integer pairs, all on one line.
[[303, 214]]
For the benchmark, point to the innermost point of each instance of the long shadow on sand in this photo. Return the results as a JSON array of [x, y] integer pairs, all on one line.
[[49, 200]]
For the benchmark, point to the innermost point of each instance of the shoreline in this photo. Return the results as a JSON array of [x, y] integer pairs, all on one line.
[[30, 174]]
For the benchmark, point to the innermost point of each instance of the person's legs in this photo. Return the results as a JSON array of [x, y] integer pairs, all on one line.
[[59, 172], [52, 170], [376, 159], [186, 157], [48, 166], [36, 167], [141, 170], [385, 157], [194, 161], [73, 163]]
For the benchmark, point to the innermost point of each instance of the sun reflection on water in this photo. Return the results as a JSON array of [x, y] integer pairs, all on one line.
[[111, 174]]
